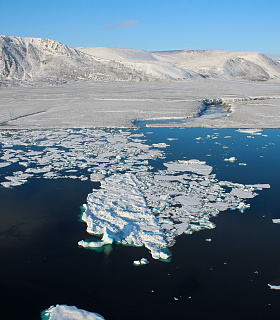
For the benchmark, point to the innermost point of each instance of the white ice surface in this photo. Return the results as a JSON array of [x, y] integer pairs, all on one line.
[[64, 312], [193, 165], [120, 210], [273, 287]]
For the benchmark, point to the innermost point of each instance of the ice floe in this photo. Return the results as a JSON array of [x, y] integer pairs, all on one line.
[[193, 165], [119, 209], [153, 208], [276, 221], [251, 131], [64, 312]]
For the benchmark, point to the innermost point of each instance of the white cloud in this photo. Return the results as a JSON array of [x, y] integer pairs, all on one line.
[[125, 24]]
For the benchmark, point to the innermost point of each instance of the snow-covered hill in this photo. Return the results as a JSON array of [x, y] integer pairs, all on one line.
[[225, 64], [35, 59]]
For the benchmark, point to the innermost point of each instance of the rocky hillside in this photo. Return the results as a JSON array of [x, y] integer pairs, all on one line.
[[35, 59]]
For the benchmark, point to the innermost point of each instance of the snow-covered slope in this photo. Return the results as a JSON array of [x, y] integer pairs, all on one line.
[[118, 54], [225, 64], [184, 64], [36, 59]]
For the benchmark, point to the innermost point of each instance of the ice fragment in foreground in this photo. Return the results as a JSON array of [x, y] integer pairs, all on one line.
[[274, 287], [276, 220], [64, 312], [119, 210], [140, 262], [106, 239]]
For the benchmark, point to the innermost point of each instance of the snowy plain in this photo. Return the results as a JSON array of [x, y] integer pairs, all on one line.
[[118, 104]]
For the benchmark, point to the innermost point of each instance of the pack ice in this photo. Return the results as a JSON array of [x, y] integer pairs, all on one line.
[[135, 204]]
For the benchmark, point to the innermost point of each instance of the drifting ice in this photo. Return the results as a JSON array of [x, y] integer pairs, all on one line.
[[135, 205], [274, 287], [140, 262], [152, 209], [63, 312]]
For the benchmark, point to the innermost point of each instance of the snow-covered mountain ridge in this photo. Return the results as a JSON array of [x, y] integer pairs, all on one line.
[[29, 60]]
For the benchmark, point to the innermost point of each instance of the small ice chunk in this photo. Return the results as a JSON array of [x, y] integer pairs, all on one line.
[[276, 220], [242, 164], [106, 239], [273, 287], [140, 262], [160, 145], [176, 299], [250, 131], [243, 206], [64, 312], [231, 159], [208, 240], [4, 164]]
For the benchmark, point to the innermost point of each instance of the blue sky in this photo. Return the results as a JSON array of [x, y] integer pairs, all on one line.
[[248, 25]]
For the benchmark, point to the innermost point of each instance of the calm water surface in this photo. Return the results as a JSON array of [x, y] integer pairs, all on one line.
[[226, 278]]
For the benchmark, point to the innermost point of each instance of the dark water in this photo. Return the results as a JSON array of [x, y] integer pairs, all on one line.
[[41, 264]]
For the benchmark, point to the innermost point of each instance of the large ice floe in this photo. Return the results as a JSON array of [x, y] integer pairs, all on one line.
[[119, 212], [134, 203], [64, 312]]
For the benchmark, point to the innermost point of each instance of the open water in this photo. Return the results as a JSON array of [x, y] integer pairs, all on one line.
[[227, 278]]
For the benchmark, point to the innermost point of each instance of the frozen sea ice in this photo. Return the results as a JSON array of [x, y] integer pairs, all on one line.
[[64, 312]]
